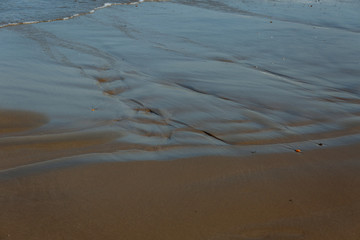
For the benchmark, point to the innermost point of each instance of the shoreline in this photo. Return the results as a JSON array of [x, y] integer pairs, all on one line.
[[28, 145], [180, 121]]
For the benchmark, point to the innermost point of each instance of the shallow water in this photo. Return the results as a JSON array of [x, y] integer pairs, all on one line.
[[25, 11], [171, 75]]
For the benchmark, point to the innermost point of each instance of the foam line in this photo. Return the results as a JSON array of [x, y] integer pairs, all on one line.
[[106, 5]]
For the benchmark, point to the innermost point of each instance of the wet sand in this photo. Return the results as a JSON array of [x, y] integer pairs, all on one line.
[[18, 121], [180, 120], [309, 195], [261, 80]]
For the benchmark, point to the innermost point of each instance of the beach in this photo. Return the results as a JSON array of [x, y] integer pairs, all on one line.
[[182, 120], [280, 196]]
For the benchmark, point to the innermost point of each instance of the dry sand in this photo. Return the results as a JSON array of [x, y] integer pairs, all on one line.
[[309, 195]]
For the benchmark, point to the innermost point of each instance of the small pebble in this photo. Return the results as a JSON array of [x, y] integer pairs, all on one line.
[[298, 150]]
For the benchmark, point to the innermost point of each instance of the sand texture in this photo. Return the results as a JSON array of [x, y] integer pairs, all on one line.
[[182, 120], [312, 195]]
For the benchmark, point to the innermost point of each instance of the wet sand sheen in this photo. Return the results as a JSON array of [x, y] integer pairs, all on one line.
[[312, 195], [188, 83]]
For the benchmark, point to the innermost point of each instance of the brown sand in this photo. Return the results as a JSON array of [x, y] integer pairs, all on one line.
[[308, 195], [13, 121], [21, 150], [22, 143]]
